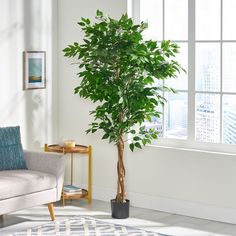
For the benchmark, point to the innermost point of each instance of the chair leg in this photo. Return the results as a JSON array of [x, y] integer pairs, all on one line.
[[51, 211]]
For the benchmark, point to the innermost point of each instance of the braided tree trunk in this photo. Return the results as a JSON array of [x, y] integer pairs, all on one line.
[[120, 197]]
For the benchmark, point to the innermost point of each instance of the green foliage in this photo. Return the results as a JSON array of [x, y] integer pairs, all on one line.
[[120, 70]]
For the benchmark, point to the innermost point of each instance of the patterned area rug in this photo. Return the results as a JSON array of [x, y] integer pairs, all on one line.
[[84, 226]]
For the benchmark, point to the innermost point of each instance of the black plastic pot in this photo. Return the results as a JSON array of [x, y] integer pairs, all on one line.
[[119, 210]]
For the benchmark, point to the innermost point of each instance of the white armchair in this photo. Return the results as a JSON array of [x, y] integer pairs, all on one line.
[[40, 184]]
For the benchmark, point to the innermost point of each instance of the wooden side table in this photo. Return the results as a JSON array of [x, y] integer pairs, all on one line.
[[86, 193]]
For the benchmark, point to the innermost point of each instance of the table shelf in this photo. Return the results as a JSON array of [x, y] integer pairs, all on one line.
[[84, 194]]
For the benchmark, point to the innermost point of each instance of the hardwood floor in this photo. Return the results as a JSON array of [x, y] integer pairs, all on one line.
[[157, 221]]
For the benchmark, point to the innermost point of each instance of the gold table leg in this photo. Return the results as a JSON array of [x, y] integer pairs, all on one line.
[[71, 173], [90, 174]]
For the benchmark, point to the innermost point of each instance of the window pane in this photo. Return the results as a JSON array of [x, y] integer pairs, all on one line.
[[207, 120], [207, 66], [229, 19], [182, 81], [176, 19], [229, 119], [176, 116], [229, 69], [152, 12], [207, 19]]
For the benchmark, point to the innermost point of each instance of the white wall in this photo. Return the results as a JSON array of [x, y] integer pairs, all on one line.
[[28, 25], [181, 181], [187, 182]]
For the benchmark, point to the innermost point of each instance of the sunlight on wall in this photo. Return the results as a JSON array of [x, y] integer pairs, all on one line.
[[27, 25]]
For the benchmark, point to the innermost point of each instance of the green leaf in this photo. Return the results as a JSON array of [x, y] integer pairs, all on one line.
[[173, 90], [138, 145], [105, 136], [131, 146], [144, 142], [136, 138], [88, 131], [81, 23], [99, 13], [149, 80], [87, 21], [154, 136], [153, 100]]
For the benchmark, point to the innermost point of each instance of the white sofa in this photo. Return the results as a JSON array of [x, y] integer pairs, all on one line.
[[40, 184]]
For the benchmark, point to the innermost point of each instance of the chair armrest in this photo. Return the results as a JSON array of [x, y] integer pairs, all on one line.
[[51, 163]]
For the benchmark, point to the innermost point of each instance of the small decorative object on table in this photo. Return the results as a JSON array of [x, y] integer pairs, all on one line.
[[70, 191], [69, 143]]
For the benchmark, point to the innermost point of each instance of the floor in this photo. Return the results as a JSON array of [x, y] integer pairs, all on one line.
[[156, 221]]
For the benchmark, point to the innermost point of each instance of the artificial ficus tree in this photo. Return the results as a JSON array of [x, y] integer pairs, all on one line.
[[119, 70]]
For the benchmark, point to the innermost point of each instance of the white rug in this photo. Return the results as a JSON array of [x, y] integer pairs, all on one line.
[[83, 226]]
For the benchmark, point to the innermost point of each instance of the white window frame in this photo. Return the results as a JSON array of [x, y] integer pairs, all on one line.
[[190, 142]]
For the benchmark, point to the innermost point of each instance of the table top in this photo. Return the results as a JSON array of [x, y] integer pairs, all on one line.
[[77, 149]]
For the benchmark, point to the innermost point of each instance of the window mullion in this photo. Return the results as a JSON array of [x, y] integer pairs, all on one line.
[[163, 94], [191, 70], [136, 11], [221, 73]]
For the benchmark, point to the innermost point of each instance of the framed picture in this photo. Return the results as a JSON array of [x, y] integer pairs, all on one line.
[[34, 70]]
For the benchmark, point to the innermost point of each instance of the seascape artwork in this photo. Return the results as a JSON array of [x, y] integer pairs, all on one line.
[[35, 70]]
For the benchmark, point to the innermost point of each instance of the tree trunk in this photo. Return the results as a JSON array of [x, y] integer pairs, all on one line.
[[120, 197]]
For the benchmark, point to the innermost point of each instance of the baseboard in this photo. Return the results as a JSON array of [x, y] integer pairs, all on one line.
[[175, 206]]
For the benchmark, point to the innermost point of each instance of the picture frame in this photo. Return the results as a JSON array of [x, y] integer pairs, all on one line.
[[34, 70]]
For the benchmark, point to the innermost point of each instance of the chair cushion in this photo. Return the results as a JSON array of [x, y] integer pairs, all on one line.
[[11, 152], [15, 183]]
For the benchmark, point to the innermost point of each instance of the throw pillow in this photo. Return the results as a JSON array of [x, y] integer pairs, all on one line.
[[11, 151]]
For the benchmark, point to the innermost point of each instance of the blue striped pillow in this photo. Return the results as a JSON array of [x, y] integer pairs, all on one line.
[[11, 151]]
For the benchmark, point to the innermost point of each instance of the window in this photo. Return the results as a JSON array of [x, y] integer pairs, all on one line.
[[204, 109]]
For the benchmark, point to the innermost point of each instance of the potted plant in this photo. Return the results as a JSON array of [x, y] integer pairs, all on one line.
[[118, 71]]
